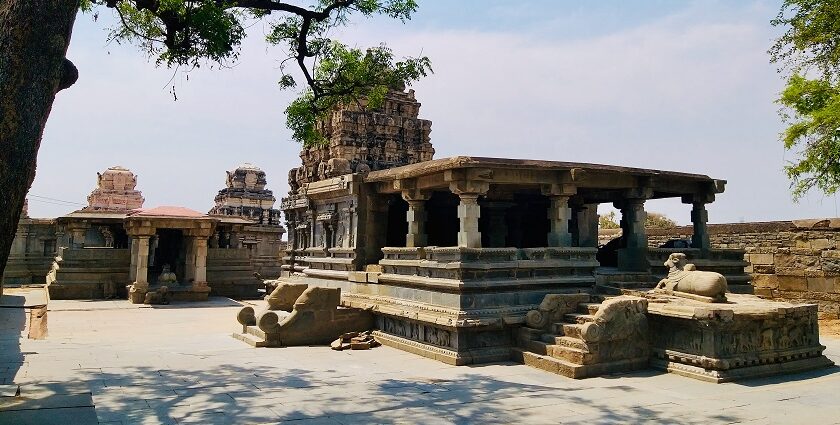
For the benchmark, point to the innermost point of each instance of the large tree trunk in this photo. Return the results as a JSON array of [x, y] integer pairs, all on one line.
[[34, 35]]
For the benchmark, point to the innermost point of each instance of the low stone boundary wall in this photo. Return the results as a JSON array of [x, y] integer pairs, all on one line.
[[796, 261]]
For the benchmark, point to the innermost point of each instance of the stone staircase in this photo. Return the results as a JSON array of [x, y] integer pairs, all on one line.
[[586, 341]]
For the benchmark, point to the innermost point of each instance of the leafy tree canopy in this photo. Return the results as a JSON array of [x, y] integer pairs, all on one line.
[[810, 50], [194, 32], [652, 221]]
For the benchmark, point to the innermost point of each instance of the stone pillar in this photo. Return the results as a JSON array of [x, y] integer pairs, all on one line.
[[416, 218], [189, 259], [468, 210], [468, 214], [587, 225], [132, 271], [137, 290], [79, 235], [497, 229], [200, 250], [633, 257], [559, 215], [699, 218]]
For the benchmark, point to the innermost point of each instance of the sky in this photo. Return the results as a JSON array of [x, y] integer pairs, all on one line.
[[671, 85]]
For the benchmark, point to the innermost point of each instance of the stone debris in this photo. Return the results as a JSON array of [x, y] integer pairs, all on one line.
[[355, 341]]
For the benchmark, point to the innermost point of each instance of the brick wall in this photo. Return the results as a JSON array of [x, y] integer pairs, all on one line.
[[797, 261]]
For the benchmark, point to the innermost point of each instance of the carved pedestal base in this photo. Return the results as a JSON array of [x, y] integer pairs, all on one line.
[[745, 338], [451, 345]]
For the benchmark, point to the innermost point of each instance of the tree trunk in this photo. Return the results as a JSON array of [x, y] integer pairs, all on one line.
[[34, 35]]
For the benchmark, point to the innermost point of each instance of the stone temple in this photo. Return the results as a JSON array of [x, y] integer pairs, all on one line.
[[471, 260], [115, 247]]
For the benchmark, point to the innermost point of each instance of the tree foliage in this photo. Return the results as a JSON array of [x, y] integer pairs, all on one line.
[[810, 50], [607, 221], [652, 221], [194, 32], [658, 221]]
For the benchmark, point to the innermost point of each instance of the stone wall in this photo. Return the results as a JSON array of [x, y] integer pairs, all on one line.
[[797, 261]]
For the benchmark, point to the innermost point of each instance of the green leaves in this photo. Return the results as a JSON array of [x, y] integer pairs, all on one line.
[[344, 75], [191, 32], [815, 126], [811, 107]]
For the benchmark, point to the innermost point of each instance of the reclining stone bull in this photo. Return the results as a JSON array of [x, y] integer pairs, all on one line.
[[685, 280]]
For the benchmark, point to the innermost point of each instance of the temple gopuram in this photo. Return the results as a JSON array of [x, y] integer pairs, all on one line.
[[472, 260]]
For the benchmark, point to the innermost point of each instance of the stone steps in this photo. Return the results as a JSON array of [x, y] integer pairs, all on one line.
[[589, 308], [579, 318], [251, 340]]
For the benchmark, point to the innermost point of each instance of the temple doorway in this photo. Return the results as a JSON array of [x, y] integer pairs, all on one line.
[[169, 249]]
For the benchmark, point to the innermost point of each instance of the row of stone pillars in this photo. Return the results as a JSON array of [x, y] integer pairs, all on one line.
[[560, 214], [469, 211]]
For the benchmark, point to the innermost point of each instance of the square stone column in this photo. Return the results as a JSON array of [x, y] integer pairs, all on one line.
[[416, 217], [140, 259], [468, 214], [200, 251], [633, 257], [132, 270], [189, 258], [559, 215], [587, 225], [497, 229], [699, 218]]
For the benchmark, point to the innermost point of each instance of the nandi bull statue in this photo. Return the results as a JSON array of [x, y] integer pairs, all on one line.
[[685, 280]]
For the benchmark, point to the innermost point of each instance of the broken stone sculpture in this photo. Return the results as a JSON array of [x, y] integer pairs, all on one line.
[[315, 318], [161, 296], [552, 309], [685, 280], [283, 296]]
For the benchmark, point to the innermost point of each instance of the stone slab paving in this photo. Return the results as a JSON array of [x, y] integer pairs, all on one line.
[[115, 363]]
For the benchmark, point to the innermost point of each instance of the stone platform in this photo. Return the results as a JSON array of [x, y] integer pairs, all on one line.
[[746, 337]]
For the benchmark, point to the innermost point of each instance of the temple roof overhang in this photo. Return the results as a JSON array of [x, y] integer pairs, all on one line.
[[594, 183]]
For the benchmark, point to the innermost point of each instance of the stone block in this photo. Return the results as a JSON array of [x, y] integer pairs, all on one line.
[[762, 259], [797, 261], [761, 269], [830, 265], [821, 284], [765, 281], [821, 244], [792, 283], [786, 271]]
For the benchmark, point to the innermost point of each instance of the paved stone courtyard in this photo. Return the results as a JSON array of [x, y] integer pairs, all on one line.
[[115, 363]]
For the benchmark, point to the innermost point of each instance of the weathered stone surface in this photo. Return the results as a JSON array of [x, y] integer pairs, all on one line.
[[115, 191], [748, 337]]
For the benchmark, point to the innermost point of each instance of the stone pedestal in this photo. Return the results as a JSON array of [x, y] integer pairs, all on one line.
[[747, 337]]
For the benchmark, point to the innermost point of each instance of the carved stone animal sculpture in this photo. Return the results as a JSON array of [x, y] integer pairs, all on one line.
[[685, 278]]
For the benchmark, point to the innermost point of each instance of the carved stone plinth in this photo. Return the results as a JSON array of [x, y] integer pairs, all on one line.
[[745, 338]]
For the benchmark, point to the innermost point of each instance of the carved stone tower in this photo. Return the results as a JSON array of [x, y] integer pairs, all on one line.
[[362, 140], [245, 196], [115, 191]]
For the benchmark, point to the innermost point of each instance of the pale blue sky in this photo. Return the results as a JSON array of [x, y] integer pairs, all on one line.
[[659, 84]]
